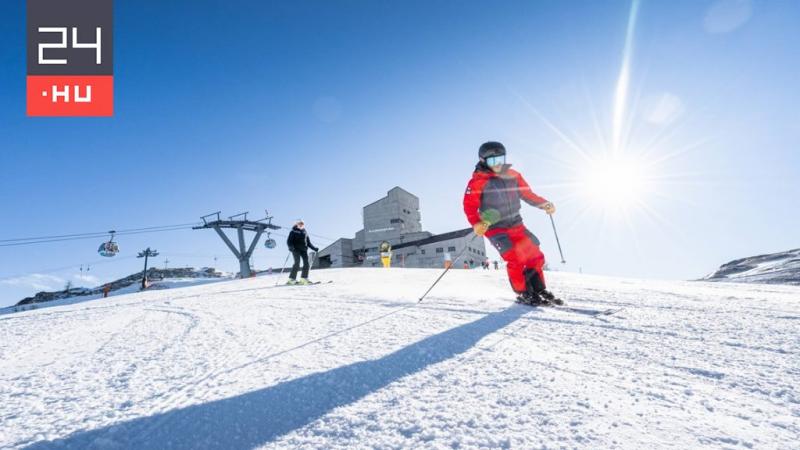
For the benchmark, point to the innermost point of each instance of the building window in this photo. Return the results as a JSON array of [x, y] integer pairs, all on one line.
[[439, 249], [396, 221], [451, 249]]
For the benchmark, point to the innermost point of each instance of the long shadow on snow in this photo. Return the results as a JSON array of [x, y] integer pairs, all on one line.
[[258, 417]]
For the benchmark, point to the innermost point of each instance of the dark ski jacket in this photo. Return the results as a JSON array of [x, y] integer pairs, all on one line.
[[495, 197], [298, 241]]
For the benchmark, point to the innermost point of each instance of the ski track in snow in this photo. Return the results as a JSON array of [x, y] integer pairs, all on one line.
[[359, 364]]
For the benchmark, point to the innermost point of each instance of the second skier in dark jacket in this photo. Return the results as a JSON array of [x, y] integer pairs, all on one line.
[[299, 243]]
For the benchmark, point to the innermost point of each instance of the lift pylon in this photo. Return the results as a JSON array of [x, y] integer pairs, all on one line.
[[244, 252]]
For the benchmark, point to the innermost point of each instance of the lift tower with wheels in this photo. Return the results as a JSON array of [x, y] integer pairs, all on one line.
[[240, 223]]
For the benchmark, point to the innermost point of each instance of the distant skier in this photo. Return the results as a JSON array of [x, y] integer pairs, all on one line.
[[386, 254], [299, 243], [495, 264], [492, 204]]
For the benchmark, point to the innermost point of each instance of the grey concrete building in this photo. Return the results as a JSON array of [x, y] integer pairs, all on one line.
[[396, 218]]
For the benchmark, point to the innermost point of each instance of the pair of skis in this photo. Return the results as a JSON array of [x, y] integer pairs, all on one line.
[[584, 311], [313, 283]]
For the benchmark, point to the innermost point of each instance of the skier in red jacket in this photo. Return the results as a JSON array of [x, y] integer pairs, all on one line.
[[492, 203]]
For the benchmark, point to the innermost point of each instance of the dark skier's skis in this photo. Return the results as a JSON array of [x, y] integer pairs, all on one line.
[[309, 284]]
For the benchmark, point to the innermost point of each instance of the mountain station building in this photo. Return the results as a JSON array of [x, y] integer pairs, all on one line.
[[396, 219]]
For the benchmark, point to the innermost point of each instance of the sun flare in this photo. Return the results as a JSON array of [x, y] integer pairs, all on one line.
[[619, 163], [617, 182]]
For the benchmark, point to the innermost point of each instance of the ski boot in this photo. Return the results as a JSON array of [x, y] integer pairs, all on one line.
[[532, 299], [535, 291], [304, 281], [550, 297], [291, 282]]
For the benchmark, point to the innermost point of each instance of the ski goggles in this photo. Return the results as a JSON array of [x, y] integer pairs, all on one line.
[[498, 160]]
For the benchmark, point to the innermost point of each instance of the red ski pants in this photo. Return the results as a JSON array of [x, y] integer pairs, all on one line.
[[520, 249]]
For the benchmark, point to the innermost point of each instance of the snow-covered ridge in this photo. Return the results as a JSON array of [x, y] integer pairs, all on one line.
[[774, 268], [158, 279], [358, 363]]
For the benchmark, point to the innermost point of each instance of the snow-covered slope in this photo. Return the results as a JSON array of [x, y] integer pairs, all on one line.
[[359, 364], [774, 268], [158, 279]]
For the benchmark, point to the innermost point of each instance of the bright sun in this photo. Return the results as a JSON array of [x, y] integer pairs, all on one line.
[[617, 168], [617, 182]]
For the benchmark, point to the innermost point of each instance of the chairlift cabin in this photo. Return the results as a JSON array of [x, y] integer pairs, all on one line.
[[110, 248], [270, 243]]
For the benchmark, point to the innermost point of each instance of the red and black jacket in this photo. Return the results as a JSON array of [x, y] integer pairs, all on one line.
[[495, 197]]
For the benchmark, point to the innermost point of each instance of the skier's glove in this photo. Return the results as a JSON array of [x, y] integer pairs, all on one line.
[[480, 228], [548, 207]]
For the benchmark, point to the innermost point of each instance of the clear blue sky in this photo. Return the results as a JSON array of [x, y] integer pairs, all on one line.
[[314, 109]]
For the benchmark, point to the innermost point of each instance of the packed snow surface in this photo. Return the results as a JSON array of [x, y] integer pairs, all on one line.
[[360, 364]]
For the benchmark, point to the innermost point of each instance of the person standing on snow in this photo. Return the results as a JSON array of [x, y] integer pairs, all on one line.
[[299, 243], [492, 204]]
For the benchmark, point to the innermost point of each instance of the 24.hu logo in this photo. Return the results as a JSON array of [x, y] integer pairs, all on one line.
[[70, 58]]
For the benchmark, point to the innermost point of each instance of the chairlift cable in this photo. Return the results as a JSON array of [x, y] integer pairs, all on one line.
[[118, 233], [97, 233]]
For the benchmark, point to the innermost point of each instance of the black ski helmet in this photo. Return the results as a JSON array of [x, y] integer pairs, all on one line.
[[491, 148]]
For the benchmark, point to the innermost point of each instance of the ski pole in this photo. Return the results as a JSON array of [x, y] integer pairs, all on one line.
[[446, 269], [283, 267], [557, 241], [313, 258]]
